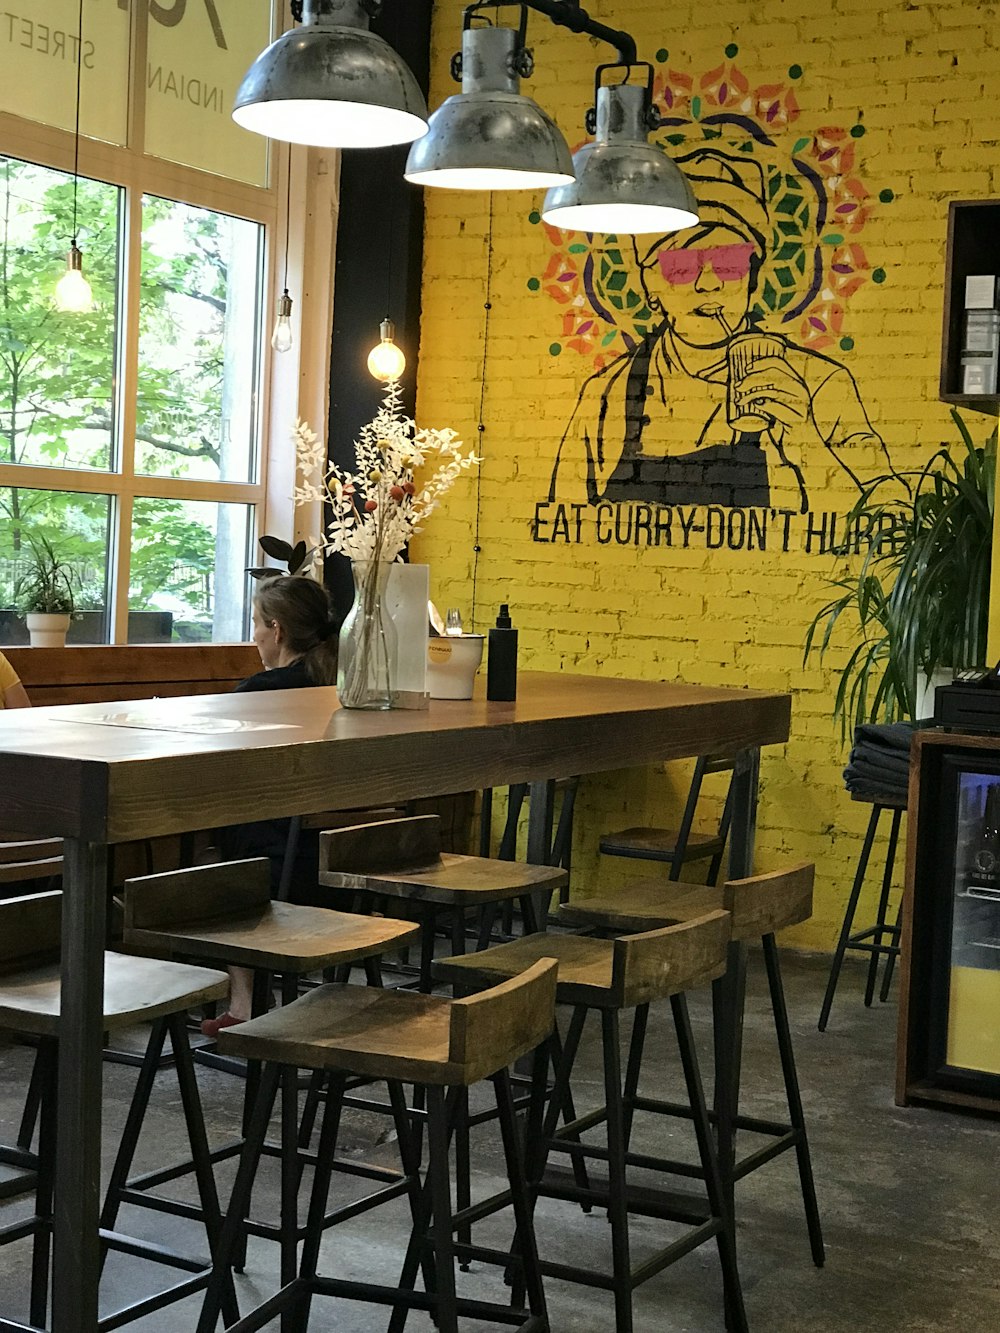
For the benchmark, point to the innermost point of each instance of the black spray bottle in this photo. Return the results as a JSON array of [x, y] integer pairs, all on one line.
[[501, 664]]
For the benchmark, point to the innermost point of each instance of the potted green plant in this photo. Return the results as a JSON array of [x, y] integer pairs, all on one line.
[[44, 596], [920, 597]]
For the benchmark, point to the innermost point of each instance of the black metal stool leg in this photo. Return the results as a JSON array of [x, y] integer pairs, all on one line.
[[848, 922], [239, 1203], [133, 1128], [530, 1275], [637, 1041], [795, 1113], [617, 1193], [736, 1318], [320, 1193], [883, 906], [32, 1105], [47, 1094], [890, 962], [290, 1176], [728, 1005], [445, 1312]]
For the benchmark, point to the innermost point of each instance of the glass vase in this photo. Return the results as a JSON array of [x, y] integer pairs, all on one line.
[[367, 641]]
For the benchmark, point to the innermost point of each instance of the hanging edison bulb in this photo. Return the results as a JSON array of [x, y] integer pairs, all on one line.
[[281, 338], [386, 361], [73, 294]]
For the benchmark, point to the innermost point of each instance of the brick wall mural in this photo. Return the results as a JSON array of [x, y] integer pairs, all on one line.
[[674, 429]]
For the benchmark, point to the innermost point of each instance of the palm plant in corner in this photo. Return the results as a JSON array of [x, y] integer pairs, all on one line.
[[919, 601]]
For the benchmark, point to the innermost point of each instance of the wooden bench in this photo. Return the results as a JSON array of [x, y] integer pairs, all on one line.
[[105, 673]]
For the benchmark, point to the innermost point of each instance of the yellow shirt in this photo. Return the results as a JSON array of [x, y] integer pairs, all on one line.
[[8, 679]]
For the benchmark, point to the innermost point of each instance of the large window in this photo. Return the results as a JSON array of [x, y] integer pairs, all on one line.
[[132, 436]]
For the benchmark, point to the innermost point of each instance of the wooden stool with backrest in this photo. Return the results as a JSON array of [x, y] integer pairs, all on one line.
[[677, 847], [224, 914], [759, 906], [136, 990], [398, 1036], [607, 977], [401, 861]]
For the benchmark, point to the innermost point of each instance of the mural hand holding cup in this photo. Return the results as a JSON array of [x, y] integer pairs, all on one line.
[[763, 389]]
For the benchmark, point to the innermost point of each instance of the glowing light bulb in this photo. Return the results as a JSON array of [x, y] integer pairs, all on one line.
[[73, 294], [281, 338], [386, 361]]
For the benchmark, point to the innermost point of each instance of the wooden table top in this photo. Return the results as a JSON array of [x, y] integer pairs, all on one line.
[[114, 772]]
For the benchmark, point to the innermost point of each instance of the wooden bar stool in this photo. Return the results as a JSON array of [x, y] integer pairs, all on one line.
[[401, 860], [759, 906], [439, 1045], [136, 990], [872, 939], [677, 847], [29, 864], [225, 914], [609, 976]]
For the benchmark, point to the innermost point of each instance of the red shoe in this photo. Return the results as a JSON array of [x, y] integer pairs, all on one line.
[[211, 1027]]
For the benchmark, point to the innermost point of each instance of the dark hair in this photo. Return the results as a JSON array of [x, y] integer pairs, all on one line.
[[301, 606]]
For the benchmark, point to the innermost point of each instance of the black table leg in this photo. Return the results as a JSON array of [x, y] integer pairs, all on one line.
[[76, 1246]]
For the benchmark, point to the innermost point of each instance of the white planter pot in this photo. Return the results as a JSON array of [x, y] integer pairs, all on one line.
[[47, 631]]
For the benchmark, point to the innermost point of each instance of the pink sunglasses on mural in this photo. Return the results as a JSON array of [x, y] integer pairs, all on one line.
[[729, 263]]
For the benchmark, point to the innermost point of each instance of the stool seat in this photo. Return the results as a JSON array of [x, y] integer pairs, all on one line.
[[136, 990], [758, 906], [616, 973], [281, 936], [660, 844], [391, 1034], [451, 878]]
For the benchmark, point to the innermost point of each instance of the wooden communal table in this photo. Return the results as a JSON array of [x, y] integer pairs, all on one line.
[[101, 774]]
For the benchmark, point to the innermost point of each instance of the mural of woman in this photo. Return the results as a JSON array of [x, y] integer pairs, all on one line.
[[709, 407]]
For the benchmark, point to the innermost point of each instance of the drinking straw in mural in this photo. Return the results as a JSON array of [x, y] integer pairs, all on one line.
[[713, 401]]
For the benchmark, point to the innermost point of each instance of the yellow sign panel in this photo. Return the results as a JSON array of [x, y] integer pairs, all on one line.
[[198, 52], [38, 61], [974, 1019]]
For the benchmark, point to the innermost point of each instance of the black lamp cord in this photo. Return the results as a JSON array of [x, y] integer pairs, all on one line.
[[288, 212], [481, 424], [76, 132]]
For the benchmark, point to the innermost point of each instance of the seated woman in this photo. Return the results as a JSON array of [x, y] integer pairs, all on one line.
[[296, 632], [12, 692]]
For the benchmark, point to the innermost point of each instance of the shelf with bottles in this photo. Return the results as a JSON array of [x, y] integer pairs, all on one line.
[[973, 250]]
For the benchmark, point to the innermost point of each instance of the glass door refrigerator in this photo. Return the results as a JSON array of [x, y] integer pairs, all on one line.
[[950, 1015]]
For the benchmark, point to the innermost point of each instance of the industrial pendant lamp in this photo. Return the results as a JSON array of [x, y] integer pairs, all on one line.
[[624, 184], [73, 294], [332, 83], [490, 136]]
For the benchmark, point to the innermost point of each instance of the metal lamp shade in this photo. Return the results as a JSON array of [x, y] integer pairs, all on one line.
[[624, 184], [489, 136], [333, 84]]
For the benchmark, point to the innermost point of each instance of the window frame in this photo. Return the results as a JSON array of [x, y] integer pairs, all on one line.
[[302, 373]]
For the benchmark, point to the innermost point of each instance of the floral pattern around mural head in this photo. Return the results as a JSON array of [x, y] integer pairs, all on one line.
[[816, 197]]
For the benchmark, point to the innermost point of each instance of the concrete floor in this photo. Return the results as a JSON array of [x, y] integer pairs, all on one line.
[[908, 1197]]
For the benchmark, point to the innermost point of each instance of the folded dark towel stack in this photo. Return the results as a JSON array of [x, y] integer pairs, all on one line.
[[879, 763]]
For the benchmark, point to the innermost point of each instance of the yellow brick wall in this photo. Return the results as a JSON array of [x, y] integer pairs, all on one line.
[[911, 91]]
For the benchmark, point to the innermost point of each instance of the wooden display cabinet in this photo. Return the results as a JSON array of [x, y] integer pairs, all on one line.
[[973, 247]]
